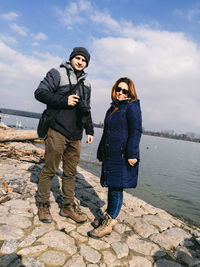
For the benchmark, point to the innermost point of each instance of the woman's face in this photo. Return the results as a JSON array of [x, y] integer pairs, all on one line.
[[122, 91]]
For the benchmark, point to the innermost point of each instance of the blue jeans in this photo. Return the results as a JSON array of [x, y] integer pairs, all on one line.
[[115, 200]]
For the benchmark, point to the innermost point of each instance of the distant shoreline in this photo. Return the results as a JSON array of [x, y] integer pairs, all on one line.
[[166, 134]]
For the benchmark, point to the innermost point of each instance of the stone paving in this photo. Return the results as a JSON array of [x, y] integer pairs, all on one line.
[[144, 236]]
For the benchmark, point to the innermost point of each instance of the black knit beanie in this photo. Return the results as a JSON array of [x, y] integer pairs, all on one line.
[[80, 51]]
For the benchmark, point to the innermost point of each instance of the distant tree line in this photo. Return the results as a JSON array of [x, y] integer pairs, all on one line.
[[192, 137]]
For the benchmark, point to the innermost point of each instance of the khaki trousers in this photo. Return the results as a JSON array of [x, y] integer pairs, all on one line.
[[57, 148]]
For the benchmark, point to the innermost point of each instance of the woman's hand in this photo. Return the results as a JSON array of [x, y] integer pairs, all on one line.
[[132, 162]]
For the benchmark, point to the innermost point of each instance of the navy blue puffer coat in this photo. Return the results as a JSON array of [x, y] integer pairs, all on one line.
[[120, 142]]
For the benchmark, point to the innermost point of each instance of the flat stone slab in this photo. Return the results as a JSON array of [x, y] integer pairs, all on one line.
[[41, 230], [32, 250], [16, 220], [54, 258], [10, 232], [121, 249], [171, 238], [9, 246], [144, 247], [138, 261], [75, 261], [167, 263], [31, 262], [18, 204], [143, 228], [59, 240], [90, 254]]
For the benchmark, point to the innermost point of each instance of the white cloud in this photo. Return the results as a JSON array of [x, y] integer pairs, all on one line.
[[193, 14], [165, 68], [9, 16], [19, 29], [35, 44], [106, 20], [75, 13], [40, 36], [8, 39], [20, 76]]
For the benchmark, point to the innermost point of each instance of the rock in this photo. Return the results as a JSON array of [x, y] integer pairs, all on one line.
[[9, 246], [29, 240], [141, 227], [121, 228], [110, 259], [171, 238], [121, 249], [185, 256], [158, 222], [59, 240], [34, 250], [113, 237], [78, 237], [31, 262], [90, 254], [19, 221], [10, 260], [41, 230], [166, 263], [54, 258], [10, 232], [98, 244], [138, 261], [144, 247], [3, 210], [75, 261], [67, 227], [18, 204], [84, 229]]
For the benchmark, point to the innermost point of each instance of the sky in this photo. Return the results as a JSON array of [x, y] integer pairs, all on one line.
[[154, 42]]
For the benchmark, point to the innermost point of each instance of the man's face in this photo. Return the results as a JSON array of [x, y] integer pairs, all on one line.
[[78, 63]]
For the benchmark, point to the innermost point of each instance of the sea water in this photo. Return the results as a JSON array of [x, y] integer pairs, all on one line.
[[169, 173]]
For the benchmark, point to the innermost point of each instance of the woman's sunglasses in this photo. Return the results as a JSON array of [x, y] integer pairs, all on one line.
[[124, 91]]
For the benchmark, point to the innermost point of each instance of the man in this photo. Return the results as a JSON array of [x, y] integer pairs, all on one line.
[[66, 91]]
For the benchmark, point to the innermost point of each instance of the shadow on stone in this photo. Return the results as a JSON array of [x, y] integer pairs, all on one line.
[[186, 254], [11, 260], [88, 197], [55, 185], [84, 192]]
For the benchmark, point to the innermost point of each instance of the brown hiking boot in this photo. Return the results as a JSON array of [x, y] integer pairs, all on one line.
[[73, 212], [105, 228], [97, 222], [44, 213]]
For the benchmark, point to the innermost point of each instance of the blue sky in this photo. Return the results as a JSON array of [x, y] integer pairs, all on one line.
[[154, 42]]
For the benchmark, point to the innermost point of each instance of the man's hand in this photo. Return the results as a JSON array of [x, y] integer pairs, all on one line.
[[89, 139], [132, 161], [73, 100]]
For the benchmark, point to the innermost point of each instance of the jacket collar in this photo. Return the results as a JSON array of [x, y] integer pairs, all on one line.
[[68, 66], [117, 103]]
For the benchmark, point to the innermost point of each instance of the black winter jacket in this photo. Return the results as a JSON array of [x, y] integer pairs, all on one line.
[[54, 91]]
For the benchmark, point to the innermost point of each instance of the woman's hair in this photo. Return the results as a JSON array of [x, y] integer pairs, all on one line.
[[131, 87]]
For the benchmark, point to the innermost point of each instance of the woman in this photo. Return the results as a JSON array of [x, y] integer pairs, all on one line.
[[119, 151]]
